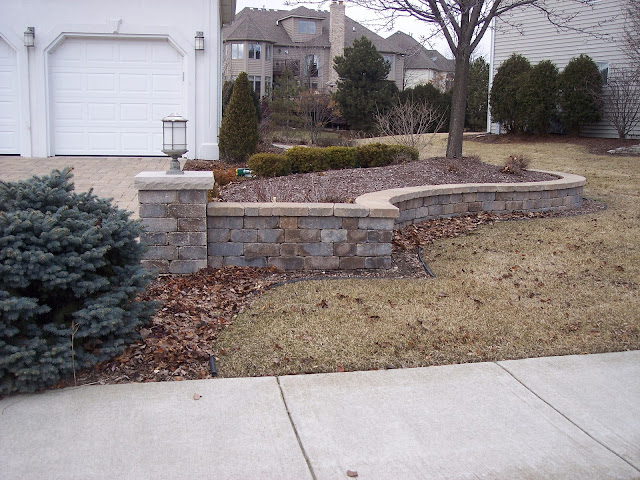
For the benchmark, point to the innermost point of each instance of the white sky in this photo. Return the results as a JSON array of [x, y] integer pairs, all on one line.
[[368, 19]]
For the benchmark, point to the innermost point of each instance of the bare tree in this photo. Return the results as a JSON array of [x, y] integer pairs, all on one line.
[[317, 110], [408, 123], [622, 100], [631, 35], [463, 24]]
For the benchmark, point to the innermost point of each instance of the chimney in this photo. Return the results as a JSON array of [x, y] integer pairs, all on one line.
[[336, 35]]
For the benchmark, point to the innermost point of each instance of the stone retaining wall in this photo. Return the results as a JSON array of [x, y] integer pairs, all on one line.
[[324, 236]]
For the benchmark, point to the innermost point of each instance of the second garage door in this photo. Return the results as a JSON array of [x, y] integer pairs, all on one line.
[[108, 96]]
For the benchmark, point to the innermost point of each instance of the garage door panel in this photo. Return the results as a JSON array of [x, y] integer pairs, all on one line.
[[9, 106], [124, 91]]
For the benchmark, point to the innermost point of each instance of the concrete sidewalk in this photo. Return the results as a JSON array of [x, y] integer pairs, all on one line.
[[574, 417], [110, 177]]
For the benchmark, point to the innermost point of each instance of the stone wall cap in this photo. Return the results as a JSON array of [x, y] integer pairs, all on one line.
[[162, 181]]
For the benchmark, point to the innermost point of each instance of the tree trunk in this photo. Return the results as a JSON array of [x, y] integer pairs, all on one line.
[[458, 103]]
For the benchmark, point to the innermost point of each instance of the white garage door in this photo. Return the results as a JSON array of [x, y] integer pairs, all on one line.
[[8, 100], [108, 96]]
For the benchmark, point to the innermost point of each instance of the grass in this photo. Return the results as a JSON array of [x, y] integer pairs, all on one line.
[[510, 290]]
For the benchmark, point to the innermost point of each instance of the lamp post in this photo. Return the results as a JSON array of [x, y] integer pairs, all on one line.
[[199, 41], [29, 37], [174, 140]]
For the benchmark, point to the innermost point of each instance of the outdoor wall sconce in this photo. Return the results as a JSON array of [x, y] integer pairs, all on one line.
[[29, 37], [174, 140], [199, 41]]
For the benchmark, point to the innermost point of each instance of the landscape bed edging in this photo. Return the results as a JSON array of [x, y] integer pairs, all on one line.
[[319, 236]]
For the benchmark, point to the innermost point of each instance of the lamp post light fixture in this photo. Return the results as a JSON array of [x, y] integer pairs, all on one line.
[[29, 37], [199, 43], [174, 140]]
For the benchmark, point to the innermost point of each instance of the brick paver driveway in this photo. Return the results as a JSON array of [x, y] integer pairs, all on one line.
[[110, 177]]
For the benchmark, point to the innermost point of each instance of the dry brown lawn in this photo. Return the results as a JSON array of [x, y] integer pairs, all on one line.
[[509, 290]]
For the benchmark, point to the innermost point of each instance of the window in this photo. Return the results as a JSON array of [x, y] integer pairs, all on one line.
[[268, 52], [311, 66], [254, 50], [254, 80], [237, 51], [388, 59], [307, 26], [267, 86], [604, 71]]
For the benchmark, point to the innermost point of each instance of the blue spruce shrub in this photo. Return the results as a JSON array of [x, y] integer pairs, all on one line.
[[69, 275]]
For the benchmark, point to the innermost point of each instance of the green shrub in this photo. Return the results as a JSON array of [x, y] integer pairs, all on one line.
[[580, 97], [539, 96], [381, 154], [403, 154], [239, 127], [308, 159], [270, 164], [341, 157], [69, 276], [507, 107]]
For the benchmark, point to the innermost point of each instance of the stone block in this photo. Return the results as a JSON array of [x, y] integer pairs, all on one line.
[[319, 222], [192, 253], [379, 236], [161, 266], [356, 236], [455, 198], [513, 205], [350, 223], [449, 209], [157, 225], [153, 210], [244, 235], [192, 224], [289, 249], [495, 206], [261, 222], [245, 262], [314, 249], [149, 238], [435, 210], [184, 267], [373, 249], [288, 223], [282, 209], [333, 235], [225, 209], [430, 200], [287, 263], [225, 222], [469, 197], [505, 196], [187, 238], [161, 252], [157, 196], [377, 262], [268, 235], [177, 210], [444, 199], [189, 180], [475, 207], [376, 223], [321, 263], [422, 212], [192, 196], [486, 196], [320, 209], [227, 249], [461, 207], [352, 263], [252, 250], [350, 210], [344, 250], [556, 202], [302, 235], [215, 262], [218, 235]]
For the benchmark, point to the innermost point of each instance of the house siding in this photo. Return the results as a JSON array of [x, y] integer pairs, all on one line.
[[537, 39]]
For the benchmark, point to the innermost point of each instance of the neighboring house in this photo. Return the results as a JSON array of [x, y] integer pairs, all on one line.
[[423, 66], [595, 30], [102, 75], [263, 42]]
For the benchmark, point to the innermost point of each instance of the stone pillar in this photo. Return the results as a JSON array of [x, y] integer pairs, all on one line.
[[336, 36], [173, 209]]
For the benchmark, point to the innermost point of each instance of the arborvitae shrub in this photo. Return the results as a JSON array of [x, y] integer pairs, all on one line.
[[341, 157], [305, 159], [506, 93], [539, 96], [69, 276], [270, 165], [239, 127], [381, 154], [580, 97]]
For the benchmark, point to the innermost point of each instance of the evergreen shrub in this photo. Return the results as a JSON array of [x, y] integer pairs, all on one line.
[[580, 97], [308, 159], [239, 127], [69, 275], [270, 165], [381, 154], [342, 157]]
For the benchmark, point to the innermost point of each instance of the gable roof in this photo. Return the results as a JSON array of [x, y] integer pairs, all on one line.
[[265, 25], [418, 57]]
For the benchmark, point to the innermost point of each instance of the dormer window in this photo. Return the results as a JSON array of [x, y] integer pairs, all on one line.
[[307, 26]]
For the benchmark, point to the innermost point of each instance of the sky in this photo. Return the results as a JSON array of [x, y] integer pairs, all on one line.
[[368, 18]]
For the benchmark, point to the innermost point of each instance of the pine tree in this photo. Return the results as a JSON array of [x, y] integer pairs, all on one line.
[[363, 88], [506, 92], [283, 103], [580, 98], [477, 95], [239, 127], [69, 275]]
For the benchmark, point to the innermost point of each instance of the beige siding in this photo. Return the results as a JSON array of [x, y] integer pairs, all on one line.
[[537, 39]]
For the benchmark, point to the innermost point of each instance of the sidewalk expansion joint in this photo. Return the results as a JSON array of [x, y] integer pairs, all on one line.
[[295, 430], [568, 419]]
